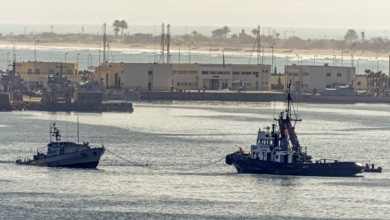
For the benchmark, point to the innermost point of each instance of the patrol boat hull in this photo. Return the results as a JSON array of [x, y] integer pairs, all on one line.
[[80, 159], [244, 164], [65, 154]]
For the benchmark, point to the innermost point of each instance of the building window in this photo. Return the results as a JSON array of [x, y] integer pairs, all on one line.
[[173, 71], [226, 73], [181, 72], [256, 74], [51, 71], [339, 74], [328, 74], [150, 72], [213, 72], [236, 73], [193, 72], [328, 86], [29, 71], [306, 74], [36, 71], [359, 83], [181, 84], [205, 72], [193, 84]]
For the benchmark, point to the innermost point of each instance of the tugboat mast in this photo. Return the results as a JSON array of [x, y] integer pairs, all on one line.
[[289, 100]]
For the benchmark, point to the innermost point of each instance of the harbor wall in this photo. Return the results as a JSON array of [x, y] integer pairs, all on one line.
[[65, 107], [210, 96], [259, 97]]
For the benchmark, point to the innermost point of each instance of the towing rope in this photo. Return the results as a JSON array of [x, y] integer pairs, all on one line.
[[149, 166]]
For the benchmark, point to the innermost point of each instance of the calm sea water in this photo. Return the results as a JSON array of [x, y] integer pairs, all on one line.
[[184, 144]]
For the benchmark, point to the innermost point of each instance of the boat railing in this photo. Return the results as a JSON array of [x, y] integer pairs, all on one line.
[[23, 160], [326, 160]]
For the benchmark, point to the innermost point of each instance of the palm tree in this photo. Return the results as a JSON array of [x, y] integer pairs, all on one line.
[[255, 31], [369, 76], [194, 33], [226, 30], [377, 76], [123, 25], [117, 25]]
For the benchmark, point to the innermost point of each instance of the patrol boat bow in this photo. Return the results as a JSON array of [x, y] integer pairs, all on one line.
[[279, 152], [65, 154]]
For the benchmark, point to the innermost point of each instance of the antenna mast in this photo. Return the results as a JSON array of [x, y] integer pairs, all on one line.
[[258, 43], [78, 131], [168, 41], [104, 43], [162, 43]]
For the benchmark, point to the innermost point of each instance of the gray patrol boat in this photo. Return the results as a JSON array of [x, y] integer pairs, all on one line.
[[65, 154]]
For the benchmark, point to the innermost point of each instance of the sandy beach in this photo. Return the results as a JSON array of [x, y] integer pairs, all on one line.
[[277, 51]]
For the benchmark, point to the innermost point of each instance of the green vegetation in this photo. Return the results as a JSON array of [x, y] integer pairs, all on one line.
[[119, 25], [377, 82]]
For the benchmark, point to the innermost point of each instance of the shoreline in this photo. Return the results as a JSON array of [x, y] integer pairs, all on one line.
[[193, 96], [239, 50]]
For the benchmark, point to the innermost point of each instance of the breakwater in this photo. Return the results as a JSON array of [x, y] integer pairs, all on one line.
[[259, 97], [37, 106], [211, 96]]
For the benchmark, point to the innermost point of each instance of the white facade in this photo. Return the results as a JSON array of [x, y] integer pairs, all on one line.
[[163, 77], [142, 76], [309, 78], [217, 77]]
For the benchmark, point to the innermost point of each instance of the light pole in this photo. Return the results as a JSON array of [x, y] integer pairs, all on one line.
[[99, 54], [89, 60], [65, 57], [179, 52], [189, 52], [342, 54], [13, 52], [377, 63], [352, 53], [315, 59], [210, 50], [6, 65], [77, 59], [298, 59], [272, 57], [357, 71], [262, 54], [35, 50]]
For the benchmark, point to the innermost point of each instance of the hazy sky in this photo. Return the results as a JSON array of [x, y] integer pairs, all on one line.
[[309, 13]]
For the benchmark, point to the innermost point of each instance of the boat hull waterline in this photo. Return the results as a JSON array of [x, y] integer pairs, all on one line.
[[244, 164], [80, 159]]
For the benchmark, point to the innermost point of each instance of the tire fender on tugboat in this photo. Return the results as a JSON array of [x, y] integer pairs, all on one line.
[[228, 160]]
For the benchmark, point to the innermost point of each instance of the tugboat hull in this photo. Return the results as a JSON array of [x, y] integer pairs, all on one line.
[[245, 164]]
